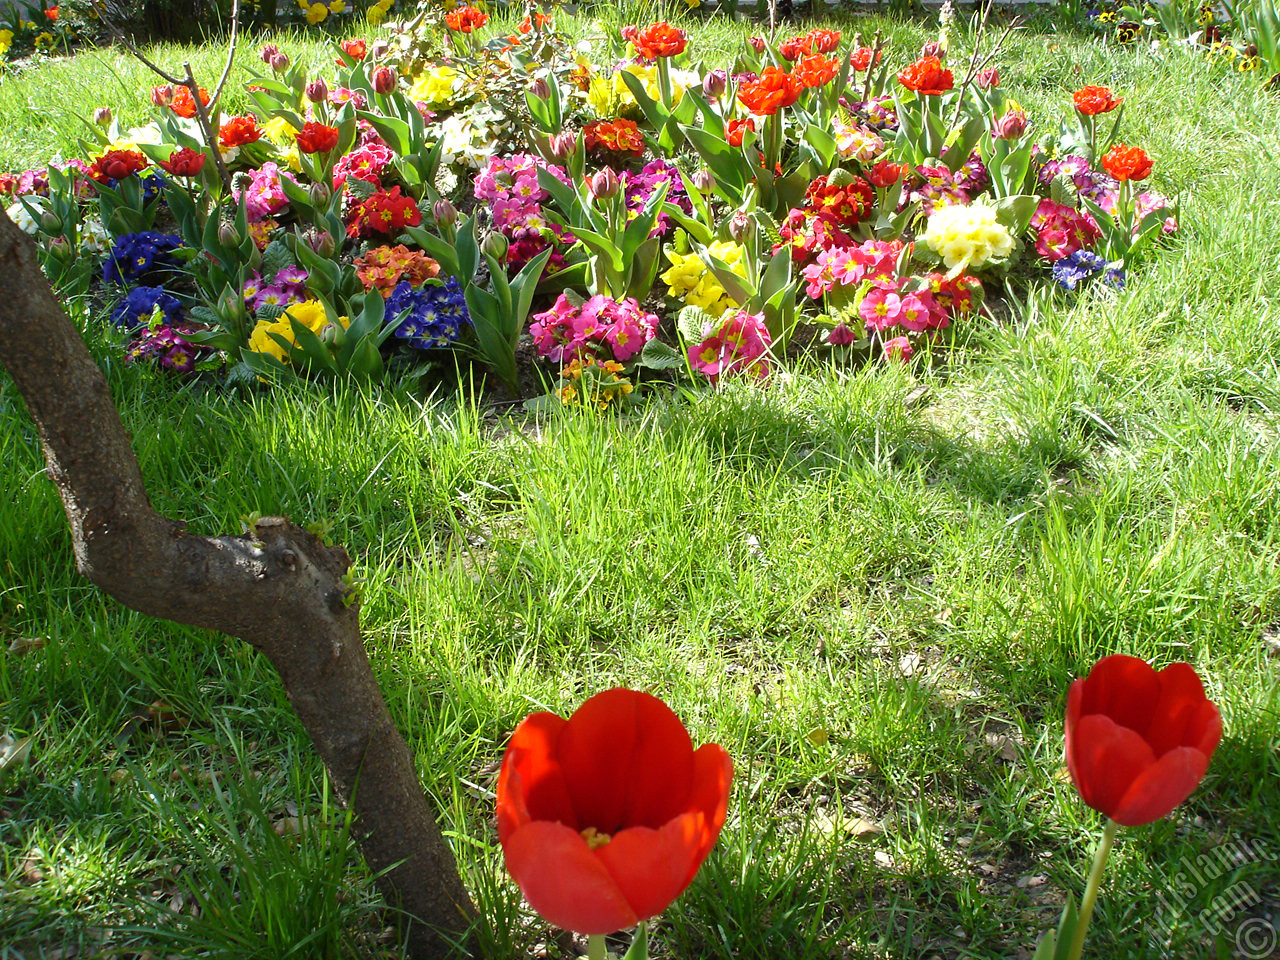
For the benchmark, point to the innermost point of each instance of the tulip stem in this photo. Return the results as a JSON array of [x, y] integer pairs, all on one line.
[[595, 947], [1091, 890]]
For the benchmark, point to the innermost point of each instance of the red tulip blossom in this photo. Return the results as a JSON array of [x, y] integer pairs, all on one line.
[[116, 165], [184, 162], [927, 77], [238, 131], [466, 19], [737, 129], [604, 818], [183, 104], [1138, 740], [317, 137], [809, 44], [1127, 163], [886, 173], [52, 13], [355, 49], [815, 71], [540, 21], [774, 90], [1092, 101], [659, 40], [861, 59]]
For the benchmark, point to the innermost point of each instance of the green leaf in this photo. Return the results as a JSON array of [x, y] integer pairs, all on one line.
[[694, 322], [657, 355]]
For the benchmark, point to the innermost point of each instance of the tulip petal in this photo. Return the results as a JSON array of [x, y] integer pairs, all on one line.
[[1161, 787], [627, 761], [712, 776], [564, 881], [1105, 759], [1123, 688], [652, 867], [1180, 717], [530, 783]]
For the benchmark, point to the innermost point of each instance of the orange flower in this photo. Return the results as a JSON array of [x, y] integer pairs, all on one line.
[[52, 13], [1092, 101], [861, 58], [815, 71], [238, 131], [1127, 163], [317, 138], [660, 40], [466, 19], [541, 20], [737, 129], [355, 49], [619, 136], [806, 45], [184, 105], [927, 77], [774, 90]]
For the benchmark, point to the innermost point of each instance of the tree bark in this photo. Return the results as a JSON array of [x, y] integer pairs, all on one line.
[[277, 587]]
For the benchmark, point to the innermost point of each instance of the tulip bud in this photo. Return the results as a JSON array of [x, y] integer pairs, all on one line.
[[987, 79], [540, 89], [269, 52], [384, 80], [714, 84], [703, 180], [757, 44], [324, 244], [1011, 126], [446, 213], [227, 236], [317, 90], [603, 184], [933, 49], [320, 194], [741, 227], [51, 223], [495, 246], [379, 49], [280, 63], [102, 116], [840, 177], [160, 96], [562, 145], [630, 32]]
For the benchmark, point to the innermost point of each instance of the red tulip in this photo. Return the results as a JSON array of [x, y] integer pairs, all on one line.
[[1138, 741], [604, 818]]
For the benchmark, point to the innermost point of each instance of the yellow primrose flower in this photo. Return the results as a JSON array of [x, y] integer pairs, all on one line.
[[44, 41], [437, 87], [279, 131], [310, 313], [338, 6], [689, 279], [316, 13], [966, 236], [6, 41]]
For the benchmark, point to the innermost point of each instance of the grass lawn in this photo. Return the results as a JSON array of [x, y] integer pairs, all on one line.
[[872, 586]]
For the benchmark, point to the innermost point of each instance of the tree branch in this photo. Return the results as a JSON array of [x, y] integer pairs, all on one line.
[[277, 587]]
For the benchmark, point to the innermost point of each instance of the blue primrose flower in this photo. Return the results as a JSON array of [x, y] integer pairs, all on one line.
[[430, 317], [139, 307], [134, 255], [1081, 265]]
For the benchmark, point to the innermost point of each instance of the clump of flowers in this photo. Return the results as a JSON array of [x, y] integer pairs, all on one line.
[[618, 138], [115, 165], [383, 268], [167, 345], [383, 213], [134, 256], [143, 304], [438, 87], [809, 44], [934, 186], [639, 187], [739, 344], [927, 77], [689, 279], [840, 197], [1062, 230], [273, 336], [855, 141], [590, 382], [1081, 265], [510, 186], [288, 286], [432, 316], [573, 329], [968, 236], [263, 196]]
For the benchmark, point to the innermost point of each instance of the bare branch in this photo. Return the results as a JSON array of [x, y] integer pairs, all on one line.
[[231, 52]]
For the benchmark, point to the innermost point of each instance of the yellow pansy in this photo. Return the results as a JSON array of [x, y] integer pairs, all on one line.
[[437, 87], [310, 313], [316, 13], [279, 131], [338, 6]]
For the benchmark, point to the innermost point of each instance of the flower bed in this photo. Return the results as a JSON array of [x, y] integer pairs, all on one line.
[[462, 189]]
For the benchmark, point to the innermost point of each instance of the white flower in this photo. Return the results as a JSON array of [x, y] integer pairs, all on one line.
[[93, 236], [21, 218]]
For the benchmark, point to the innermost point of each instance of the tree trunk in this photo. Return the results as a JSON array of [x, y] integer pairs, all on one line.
[[277, 587]]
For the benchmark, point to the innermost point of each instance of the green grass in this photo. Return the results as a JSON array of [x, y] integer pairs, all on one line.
[[874, 597]]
